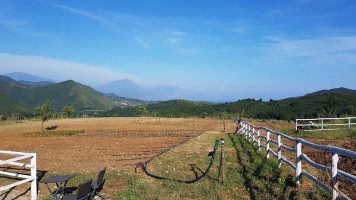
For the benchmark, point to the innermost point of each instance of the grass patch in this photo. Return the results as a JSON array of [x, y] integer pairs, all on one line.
[[325, 134], [56, 133]]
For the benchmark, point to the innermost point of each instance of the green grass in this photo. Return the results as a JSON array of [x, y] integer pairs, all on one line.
[[325, 134], [56, 133]]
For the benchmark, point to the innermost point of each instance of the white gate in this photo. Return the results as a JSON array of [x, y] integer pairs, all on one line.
[[26, 178]]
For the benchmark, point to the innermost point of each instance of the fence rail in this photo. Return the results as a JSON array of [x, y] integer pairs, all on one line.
[[250, 131], [323, 123], [26, 178]]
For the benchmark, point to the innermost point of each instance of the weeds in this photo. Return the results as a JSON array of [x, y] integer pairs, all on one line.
[[56, 133]]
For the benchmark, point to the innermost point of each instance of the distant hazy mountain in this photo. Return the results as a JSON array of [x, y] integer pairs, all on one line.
[[28, 78], [128, 88], [340, 90]]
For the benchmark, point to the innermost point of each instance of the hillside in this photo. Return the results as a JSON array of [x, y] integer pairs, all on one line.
[[308, 106], [173, 108], [125, 101], [9, 106], [65, 93], [340, 90]]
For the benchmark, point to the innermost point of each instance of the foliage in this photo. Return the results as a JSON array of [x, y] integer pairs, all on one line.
[[60, 94], [68, 110], [311, 106], [44, 111], [56, 133]]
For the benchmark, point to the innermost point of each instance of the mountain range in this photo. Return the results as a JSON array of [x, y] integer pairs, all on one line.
[[17, 97], [23, 96], [29, 79], [128, 88]]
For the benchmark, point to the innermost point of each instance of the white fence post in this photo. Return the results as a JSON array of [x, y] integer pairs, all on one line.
[[258, 139], [253, 135], [34, 176], [349, 122], [322, 124], [334, 160], [249, 132], [296, 124], [279, 151], [298, 163], [267, 145]]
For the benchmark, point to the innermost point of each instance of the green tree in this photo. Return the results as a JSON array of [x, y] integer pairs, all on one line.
[[143, 110], [68, 111], [44, 111]]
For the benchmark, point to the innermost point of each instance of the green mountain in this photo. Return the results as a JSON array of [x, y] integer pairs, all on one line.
[[320, 104], [340, 90], [79, 96], [125, 101], [9, 106], [172, 108]]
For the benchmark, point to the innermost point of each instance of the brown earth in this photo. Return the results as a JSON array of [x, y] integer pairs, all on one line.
[[117, 143]]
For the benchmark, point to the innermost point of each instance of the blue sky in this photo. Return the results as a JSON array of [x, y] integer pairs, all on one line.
[[227, 50]]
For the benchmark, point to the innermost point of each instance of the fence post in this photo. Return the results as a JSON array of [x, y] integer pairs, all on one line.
[[322, 123], [267, 145], [249, 132], [349, 122], [298, 169], [296, 124], [258, 140], [253, 135], [279, 151], [243, 128], [34, 176], [334, 160]]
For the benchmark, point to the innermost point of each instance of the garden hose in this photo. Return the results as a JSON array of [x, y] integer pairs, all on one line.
[[212, 154]]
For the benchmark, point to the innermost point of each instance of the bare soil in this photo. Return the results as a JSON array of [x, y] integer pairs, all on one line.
[[115, 143]]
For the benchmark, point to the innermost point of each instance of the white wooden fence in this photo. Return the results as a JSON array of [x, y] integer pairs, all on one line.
[[250, 131], [310, 125], [26, 178]]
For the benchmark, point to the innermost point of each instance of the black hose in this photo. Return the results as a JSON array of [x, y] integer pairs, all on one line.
[[212, 154]]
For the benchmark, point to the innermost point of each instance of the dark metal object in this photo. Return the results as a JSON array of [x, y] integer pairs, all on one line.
[[60, 181]]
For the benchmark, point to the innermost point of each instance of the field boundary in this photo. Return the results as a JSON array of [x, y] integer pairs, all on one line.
[[26, 178], [250, 131], [322, 125]]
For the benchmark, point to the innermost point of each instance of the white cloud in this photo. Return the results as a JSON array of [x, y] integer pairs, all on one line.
[[143, 43], [12, 23], [173, 40], [60, 70], [239, 30], [322, 51]]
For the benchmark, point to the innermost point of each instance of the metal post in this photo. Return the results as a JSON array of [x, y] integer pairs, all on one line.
[[267, 145], [335, 159], [298, 162], [258, 139], [279, 151], [34, 176]]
